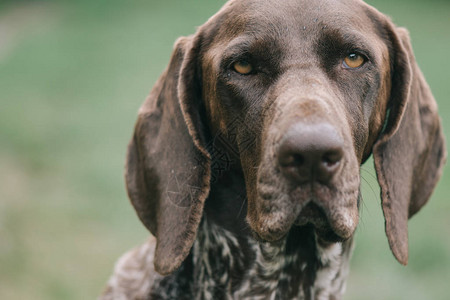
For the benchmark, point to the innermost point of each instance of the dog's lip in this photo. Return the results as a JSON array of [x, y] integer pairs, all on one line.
[[338, 216], [310, 215], [333, 221], [313, 215]]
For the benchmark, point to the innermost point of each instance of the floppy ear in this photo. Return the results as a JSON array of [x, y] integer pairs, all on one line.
[[168, 168], [410, 153]]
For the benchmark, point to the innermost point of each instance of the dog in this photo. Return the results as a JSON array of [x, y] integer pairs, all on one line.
[[245, 160]]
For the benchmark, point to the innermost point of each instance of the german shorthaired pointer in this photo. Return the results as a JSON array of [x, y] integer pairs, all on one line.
[[245, 159]]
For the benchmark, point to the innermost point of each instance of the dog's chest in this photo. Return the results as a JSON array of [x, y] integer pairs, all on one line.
[[222, 268]]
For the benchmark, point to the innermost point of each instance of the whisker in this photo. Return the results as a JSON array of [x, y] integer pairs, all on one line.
[[370, 186], [363, 205], [369, 173], [242, 206]]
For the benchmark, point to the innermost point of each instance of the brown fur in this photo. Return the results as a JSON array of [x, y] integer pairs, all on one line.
[[201, 111]]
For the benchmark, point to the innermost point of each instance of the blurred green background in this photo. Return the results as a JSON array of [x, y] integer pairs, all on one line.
[[72, 77]]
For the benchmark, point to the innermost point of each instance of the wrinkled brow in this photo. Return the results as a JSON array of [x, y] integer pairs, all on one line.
[[262, 48], [337, 42], [238, 47]]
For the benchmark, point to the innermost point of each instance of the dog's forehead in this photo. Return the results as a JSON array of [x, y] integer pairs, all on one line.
[[292, 27], [291, 22], [256, 14]]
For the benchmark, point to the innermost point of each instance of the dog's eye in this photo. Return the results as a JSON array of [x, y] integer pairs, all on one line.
[[353, 61], [243, 67]]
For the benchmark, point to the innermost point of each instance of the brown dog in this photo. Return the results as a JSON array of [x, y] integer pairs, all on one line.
[[245, 159]]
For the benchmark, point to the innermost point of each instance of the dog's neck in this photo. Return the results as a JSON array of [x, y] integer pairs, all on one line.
[[226, 262], [297, 267], [229, 262]]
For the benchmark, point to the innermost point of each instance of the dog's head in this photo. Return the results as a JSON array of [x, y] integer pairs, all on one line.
[[308, 90]]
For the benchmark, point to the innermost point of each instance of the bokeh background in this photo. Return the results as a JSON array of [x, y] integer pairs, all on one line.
[[72, 77]]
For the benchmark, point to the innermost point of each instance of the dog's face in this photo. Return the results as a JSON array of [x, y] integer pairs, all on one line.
[[316, 87], [315, 90]]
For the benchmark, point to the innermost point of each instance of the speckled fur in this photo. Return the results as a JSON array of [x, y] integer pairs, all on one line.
[[297, 267]]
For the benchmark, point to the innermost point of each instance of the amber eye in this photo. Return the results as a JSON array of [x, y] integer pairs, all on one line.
[[353, 61], [243, 67]]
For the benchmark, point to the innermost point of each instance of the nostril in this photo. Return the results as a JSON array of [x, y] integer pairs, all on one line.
[[330, 166], [332, 158], [330, 162], [291, 160], [295, 166]]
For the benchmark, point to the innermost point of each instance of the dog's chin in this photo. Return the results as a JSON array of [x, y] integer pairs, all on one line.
[[264, 238], [313, 215], [310, 216], [270, 234]]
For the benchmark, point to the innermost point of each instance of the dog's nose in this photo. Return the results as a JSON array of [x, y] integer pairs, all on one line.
[[310, 152]]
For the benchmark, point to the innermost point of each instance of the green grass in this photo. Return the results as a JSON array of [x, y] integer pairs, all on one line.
[[72, 76]]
